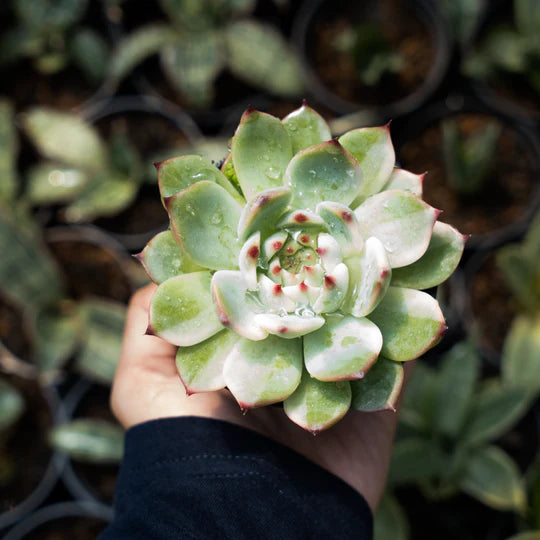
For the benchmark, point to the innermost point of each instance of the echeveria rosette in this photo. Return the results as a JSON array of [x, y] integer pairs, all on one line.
[[310, 289]]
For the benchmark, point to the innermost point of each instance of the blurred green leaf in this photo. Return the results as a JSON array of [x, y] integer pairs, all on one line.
[[418, 407], [390, 521], [9, 147], [11, 405], [65, 137], [89, 440], [456, 383], [19, 42], [521, 355], [101, 339], [91, 53], [494, 411], [494, 479], [463, 17], [123, 156], [49, 14], [527, 17], [51, 183], [259, 55], [529, 535]]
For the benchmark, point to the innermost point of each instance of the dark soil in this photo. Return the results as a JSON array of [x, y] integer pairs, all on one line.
[[14, 334], [79, 528], [492, 306], [26, 446], [400, 27], [507, 193], [91, 270], [100, 479]]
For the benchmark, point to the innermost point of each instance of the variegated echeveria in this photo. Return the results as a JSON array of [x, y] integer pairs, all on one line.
[[310, 292]]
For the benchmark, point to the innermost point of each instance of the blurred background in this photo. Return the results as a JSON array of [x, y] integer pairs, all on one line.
[[92, 92]]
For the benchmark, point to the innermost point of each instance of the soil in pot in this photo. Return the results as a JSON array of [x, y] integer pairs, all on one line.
[[492, 306], [26, 448], [90, 270], [505, 196], [399, 28], [100, 479], [68, 528]]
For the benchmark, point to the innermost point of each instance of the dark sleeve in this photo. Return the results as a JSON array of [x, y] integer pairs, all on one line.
[[198, 478]]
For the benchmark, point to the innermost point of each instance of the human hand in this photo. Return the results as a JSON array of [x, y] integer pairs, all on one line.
[[147, 387]]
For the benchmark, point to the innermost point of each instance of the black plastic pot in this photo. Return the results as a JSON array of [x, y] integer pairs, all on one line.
[[52, 472], [408, 129], [29, 528], [356, 113]]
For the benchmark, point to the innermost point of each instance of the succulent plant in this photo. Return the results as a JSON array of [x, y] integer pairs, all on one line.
[[308, 292]]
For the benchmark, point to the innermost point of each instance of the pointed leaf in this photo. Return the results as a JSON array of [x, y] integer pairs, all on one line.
[[101, 340], [410, 321], [326, 172], [317, 405], [261, 151], [456, 384], [263, 372], [201, 366], [263, 211], [65, 137], [343, 349], [288, 326], [494, 411], [343, 226], [333, 290], [401, 221], [493, 478], [301, 219], [258, 54], [521, 354], [182, 311], [90, 53], [369, 278], [236, 309], [192, 63], [178, 173], [306, 127], [89, 440], [11, 405], [438, 262], [50, 183], [374, 151], [204, 218], [162, 258], [390, 521], [9, 147], [405, 181], [379, 389]]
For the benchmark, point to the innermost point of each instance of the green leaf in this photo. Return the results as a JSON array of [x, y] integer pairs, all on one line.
[[182, 311], [101, 341], [521, 354], [410, 321], [419, 403], [47, 15], [494, 479], [162, 258], [178, 173], [89, 440], [373, 149], [438, 262], [325, 172], [463, 16], [138, 46], [28, 274], [258, 54], [379, 389], [263, 372], [494, 411], [192, 63], [343, 349], [51, 183], [65, 137], [91, 53], [415, 460], [528, 535], [204, 219], [261, 151], [401, 221], [456, 383], [527, 17], [11, 405], [390, 521], [105, 194], [201, 366], [20, 42], [306, 127], [405, 181], [57, 333], [9, 147], [317, 405]]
